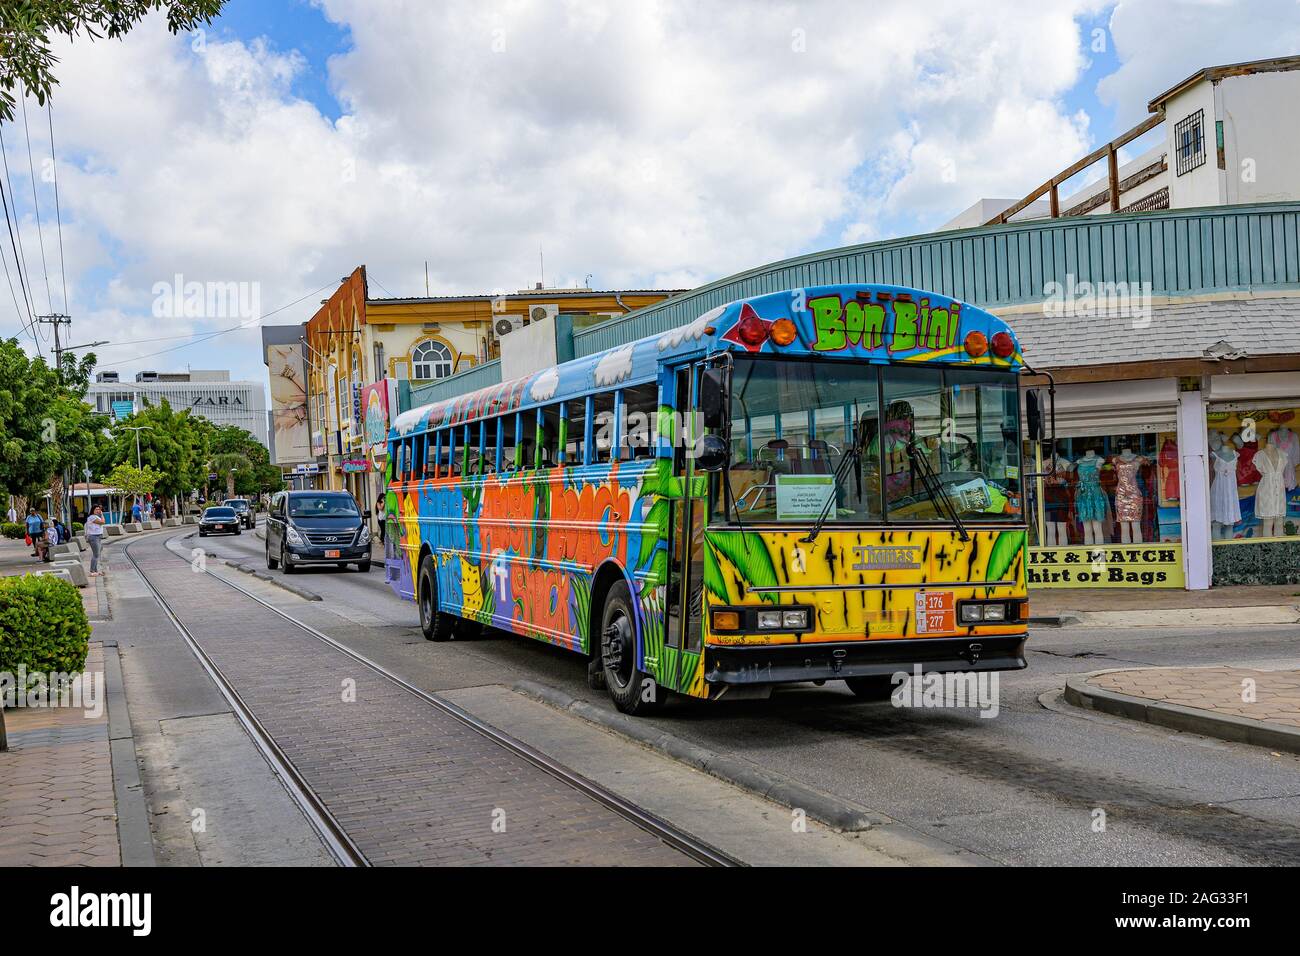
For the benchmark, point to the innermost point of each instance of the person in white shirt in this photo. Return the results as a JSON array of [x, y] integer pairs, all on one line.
[[12, 515], [95, 537]]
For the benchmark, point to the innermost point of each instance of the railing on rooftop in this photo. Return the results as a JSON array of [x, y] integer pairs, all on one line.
[[470, 380]]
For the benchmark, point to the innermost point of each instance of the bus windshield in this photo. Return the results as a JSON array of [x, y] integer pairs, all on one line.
[[948, 440]]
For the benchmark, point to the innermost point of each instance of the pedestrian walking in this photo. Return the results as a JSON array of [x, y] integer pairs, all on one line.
[[35, 531], [381, 516], [95, 537], [136, 512], [12, 515]]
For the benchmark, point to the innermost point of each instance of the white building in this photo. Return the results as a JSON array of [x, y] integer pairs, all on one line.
[[210, 394], [1224, 136]]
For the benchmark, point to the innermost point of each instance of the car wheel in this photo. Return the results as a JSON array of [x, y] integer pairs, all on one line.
[[435, 625], [878, 687], [284, 559], [632, 690], [363, 566], [271, 562]]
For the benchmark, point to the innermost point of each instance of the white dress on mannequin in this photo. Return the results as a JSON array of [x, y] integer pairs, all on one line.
[[1287, 442], [1270, 494], [1225, 505]]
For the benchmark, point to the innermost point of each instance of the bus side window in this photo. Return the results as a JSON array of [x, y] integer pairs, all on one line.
[[640, 409], [575, 438], [431, 455], [602, 420], [417, 457], [550, 436], [508, 443], [488, 429]]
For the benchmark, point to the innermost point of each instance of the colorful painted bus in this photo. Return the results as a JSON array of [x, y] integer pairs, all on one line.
[[810, 485]]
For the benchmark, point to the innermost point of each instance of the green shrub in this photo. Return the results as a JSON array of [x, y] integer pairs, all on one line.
[[78, 527], [42, 625], [15, 531]]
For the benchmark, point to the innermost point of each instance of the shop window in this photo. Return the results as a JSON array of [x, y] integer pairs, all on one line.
[[430, 360], [1108, 489], [1253, 454]]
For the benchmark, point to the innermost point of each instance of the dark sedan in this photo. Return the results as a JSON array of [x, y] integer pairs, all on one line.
[[219, 520]]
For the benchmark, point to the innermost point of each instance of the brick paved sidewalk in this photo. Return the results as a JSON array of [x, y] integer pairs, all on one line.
[[1235, 703], [56, 786]]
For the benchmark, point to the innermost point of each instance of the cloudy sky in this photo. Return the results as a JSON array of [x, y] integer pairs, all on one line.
[[648, 144]]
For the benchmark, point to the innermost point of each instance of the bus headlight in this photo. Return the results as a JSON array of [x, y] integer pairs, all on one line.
[[975, 613], [769, 620], [795, 620], [995, 612]]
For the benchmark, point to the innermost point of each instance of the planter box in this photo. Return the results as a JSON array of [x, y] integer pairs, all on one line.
[[76, 573], [114, 530]]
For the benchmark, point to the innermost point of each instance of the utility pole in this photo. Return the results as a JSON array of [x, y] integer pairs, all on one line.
[[56, 320]]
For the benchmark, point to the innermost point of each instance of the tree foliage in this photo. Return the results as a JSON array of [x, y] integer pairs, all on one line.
[[46, 427], [28, 26]]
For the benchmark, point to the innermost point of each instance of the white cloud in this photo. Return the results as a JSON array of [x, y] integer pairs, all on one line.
[[665, 143]]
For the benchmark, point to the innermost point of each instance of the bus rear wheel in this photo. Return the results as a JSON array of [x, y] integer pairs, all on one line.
[[632, 690], [877, 687], [435, 625]]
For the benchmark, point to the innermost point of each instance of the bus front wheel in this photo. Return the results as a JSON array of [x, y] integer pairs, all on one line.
[[435, 625], [633, 691], [879, 687]]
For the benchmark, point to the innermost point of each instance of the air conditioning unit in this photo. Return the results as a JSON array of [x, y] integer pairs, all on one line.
[[539, 313], [503, 325]]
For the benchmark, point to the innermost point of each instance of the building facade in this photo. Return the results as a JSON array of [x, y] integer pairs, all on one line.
[[210, 394]]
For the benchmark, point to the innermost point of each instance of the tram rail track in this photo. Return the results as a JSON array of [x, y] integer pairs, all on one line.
[[332, 833]]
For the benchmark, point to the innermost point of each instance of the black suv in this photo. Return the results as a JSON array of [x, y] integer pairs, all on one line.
[[306, 528], [245, 512]]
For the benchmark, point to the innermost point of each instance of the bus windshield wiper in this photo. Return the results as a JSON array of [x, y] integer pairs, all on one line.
[[934, 488], [851, 458]]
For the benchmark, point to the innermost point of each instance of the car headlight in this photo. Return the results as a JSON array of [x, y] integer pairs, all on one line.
[[292, 536], [364, 537]]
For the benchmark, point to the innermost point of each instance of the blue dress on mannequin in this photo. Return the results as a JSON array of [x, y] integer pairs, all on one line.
[[1089, 500]]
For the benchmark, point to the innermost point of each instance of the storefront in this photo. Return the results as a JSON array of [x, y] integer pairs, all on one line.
[[1175, 482]]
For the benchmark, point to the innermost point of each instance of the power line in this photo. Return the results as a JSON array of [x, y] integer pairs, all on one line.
[[17, 266], [16, 225], [234, 328], [58, 216], [40, 236]]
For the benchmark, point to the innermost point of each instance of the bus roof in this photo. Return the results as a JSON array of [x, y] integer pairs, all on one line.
[[871, 323]]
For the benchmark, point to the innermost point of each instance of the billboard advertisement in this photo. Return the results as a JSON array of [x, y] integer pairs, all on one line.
[[290, 441], [374, 405]]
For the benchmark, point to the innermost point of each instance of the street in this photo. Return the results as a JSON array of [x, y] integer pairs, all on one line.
[[1021, 788]]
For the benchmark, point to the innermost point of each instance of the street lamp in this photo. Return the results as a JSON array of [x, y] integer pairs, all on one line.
[[137, 429]]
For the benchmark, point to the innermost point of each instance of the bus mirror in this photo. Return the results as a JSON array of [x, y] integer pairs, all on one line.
[[710, 453], [713, 398], [1033, 416]]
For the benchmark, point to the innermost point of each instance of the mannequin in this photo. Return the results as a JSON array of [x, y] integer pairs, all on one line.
[[1270, 494], [1288, 442], [1128, 497], [1089, 499], [1056, 502], [1225, 506]]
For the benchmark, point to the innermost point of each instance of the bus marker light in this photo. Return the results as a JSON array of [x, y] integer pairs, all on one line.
[[976, 344], [1003, 345], [726, 621], [783, 332], [752, 330]]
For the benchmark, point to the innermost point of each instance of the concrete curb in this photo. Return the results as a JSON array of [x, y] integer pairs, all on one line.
[[133, 833], [272, 579], [1242, 730], [832, 811], [1058, 620]]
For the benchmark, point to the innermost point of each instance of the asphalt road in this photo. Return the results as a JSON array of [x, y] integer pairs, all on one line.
[[1028, 786]]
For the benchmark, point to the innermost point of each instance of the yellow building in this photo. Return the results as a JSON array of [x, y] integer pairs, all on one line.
[[354, 340]]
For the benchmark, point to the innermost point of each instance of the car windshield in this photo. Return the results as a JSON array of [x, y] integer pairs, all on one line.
[[237, 504], [793, 422], [323, 506], [220, 513]]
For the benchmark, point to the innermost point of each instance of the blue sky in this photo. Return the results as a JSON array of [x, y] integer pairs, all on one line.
[[647, 145]]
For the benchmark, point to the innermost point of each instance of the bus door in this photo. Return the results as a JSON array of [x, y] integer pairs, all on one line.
[[688, 518]]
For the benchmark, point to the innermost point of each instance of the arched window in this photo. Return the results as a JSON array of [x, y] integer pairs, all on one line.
[[430, 360]]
